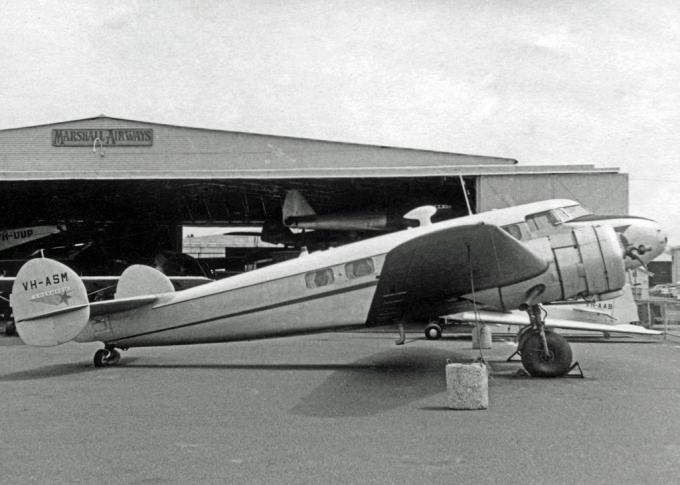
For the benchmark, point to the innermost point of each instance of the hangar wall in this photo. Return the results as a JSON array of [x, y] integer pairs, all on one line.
[[602, 193], [132, 149]]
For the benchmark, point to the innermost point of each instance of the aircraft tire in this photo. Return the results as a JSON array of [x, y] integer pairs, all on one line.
[[536, 363], [105, 357], [10, 328], [433, 332], [114, 357], [100, 357]]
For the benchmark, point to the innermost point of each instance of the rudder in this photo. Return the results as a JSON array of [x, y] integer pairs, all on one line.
[[50, 303], [295, 205]]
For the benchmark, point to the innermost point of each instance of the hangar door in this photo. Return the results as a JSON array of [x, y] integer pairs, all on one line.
[[602, 193]]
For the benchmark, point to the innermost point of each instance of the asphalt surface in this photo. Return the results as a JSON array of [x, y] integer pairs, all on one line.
[[335, 408]]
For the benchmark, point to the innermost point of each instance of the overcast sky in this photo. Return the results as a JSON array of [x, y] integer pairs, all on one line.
[[543, 82]]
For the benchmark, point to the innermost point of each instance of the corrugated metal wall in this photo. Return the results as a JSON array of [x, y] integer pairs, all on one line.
[[602, 193]]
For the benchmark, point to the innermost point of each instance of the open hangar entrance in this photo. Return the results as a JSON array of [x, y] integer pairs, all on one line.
[[122, 222]]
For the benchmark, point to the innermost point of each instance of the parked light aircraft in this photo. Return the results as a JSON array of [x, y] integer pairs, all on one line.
[[11, 238], [298, 213], [498, 259]]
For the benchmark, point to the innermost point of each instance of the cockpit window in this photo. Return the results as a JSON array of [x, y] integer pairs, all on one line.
[[542, 220], [554, 217], [514, 230], [574, 211]]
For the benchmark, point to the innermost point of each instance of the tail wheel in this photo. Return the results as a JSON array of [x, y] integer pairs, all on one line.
[[433, 331], [555, 364]]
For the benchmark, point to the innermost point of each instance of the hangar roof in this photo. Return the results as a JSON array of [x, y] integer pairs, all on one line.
[[105, 148]]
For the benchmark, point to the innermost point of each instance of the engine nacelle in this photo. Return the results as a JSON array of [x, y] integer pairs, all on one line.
[[583, 262]]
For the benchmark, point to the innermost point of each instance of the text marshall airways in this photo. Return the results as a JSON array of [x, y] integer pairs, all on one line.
[[108, 137]]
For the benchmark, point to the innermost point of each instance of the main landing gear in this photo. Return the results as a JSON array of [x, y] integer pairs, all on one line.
[[106, 356], [544, 353]]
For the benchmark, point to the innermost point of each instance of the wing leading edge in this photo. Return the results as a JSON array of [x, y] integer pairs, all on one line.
[[521, 318], [445, 264]]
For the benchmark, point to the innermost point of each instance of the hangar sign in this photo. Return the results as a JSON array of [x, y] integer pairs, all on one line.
[[82, 137]]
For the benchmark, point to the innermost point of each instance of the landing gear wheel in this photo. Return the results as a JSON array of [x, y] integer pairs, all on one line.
[[433, 331], [537, 363], [104, 357], [114, 357]]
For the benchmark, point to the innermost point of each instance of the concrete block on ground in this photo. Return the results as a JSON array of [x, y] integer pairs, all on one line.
[[467, 385], [481, 336]]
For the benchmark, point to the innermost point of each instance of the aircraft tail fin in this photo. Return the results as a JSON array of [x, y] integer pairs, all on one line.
[[50, 303], [140, 280], [624, 309], [295, 205]]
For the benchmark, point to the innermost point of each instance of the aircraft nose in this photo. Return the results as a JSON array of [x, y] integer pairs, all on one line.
[[643, 240]]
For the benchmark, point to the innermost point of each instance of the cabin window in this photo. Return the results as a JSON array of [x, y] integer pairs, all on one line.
[[319, 278], [359, 268]]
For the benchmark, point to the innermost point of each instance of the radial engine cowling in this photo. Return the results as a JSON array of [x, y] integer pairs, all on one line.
[[589, 261], [582, 262]]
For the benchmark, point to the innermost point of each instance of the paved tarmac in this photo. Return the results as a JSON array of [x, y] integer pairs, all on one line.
[[335, 409]]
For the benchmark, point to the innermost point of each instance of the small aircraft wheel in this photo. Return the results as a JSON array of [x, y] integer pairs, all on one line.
[[433, 331], [607, 335], [113, 358], [101, 357], [104, 357], [555, 364]]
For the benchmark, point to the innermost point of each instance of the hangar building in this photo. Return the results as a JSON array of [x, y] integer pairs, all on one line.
[[136, 173]]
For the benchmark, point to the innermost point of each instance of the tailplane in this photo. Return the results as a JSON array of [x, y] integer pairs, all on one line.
[[50, 303]]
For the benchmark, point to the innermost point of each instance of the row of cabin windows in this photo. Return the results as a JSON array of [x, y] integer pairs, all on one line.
[[354, 269]]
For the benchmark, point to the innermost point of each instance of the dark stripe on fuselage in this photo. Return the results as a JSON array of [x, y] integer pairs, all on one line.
[[255, 310]]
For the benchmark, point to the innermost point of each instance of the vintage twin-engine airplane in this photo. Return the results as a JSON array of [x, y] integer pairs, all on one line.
[[499, 260], [297, 213]]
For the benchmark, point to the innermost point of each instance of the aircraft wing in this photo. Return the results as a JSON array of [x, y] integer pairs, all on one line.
[[520, 318], [424, 270]]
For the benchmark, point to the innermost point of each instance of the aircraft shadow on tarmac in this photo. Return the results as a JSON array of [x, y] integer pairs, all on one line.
[[379, 383]]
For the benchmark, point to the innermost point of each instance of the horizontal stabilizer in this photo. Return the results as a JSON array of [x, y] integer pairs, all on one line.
[[49, 302], [107, 307], [521, 318]]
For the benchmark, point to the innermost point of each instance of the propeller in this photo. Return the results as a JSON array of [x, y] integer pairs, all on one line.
[[634, 252]]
